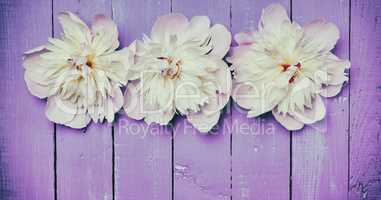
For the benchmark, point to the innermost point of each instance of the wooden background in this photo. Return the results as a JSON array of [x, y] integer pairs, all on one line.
[[337, 159]]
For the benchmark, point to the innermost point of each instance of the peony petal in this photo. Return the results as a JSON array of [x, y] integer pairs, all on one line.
[[117, 99], [58, 111], [74, 28], [316, 113], [109, 110], [336, 70], [265, 99], [34, 74], [273, 17], [320, 35], [159, 117], [38, 90], [105, 35], [244, 38], [35, 50], [116, 65], [203, 122], [197, 29], [79, 121], [224, 86], [132, 102], [212, 106], [237, 53], [331, 90], [223, 76], [32, 59], [244, 95], [221, 40], [288, 121], [168, 25]]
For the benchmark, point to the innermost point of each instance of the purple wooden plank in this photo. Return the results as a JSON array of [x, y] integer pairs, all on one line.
[[320, 151], [202, 162], [365, 126], [84, 160], [260, 147], [26, 139], [143, 154]]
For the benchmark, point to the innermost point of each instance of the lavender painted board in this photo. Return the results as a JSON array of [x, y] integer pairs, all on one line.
[[26, 139], [320, 151], [260, 147], [84, 158], [202, 161], [143, 154], [365, 126]]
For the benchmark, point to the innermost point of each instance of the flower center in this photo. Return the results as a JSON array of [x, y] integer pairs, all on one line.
[[90, 61], [285, 67], [173, 70], [79, 62]]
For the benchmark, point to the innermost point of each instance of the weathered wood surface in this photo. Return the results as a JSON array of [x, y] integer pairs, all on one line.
[[365, 101], [337, 159], [26, 136], [320, 151]]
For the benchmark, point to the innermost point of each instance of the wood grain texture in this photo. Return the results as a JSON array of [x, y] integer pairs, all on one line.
[[260, 147], [246, 159], [202, 161], [84, 157], [26, 136], [143, 154], [365, 118], [320, 151]]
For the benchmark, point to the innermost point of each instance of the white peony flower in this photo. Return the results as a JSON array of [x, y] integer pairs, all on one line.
[[287, 69], [80, 73], [179, 68]]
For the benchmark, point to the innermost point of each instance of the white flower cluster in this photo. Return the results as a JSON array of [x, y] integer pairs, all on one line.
[[179, 68]]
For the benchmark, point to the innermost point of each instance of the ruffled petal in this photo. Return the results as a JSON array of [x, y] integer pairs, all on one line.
[[336, 70], [159, 117], [74, 28], [221, 40], [244, 95], [311, 115], [35, 68], [331, 90], [109, 109], [32, 59], [203, 122], [267, 97], [168, 25], [288, 121], [244, 38], [36, 89], [236, 54], [224, 79], [320, 35], [116, 65], [197, 29], [272, 18], [105, 33], [133, 102], [79, 121], [215, 104], [59, 111], [117, 99]]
